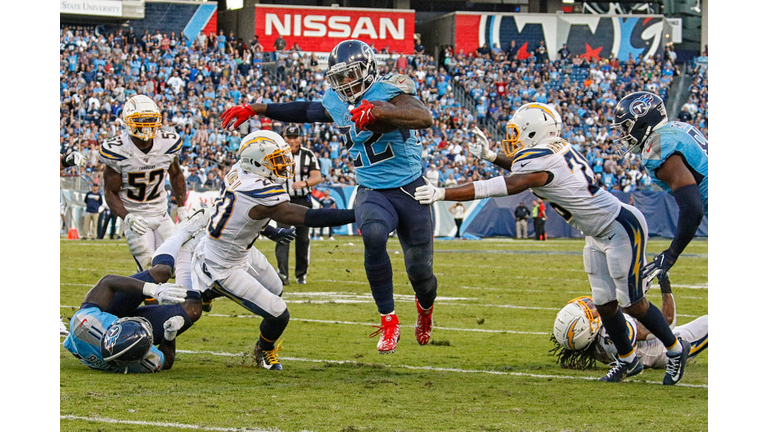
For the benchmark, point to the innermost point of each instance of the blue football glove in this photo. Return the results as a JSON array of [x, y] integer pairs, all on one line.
[[659, 266], [282, 235]]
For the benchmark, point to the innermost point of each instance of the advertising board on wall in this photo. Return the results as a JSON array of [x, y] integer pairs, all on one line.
[[319, 29], [92, 7]]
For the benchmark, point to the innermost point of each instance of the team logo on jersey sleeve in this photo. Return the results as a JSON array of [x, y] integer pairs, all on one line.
[[641, 105]]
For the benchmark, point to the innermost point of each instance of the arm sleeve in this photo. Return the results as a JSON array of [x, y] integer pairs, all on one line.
[[298, 112], [328, 217], [691, 213]]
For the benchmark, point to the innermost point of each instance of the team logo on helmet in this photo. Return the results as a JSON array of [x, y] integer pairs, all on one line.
[[111, 338], [641, 105]]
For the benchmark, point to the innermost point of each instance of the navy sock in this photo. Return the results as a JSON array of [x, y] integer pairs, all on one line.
[[654, 321], [616, 326], [380, 279], [426, 291], [271, 330]]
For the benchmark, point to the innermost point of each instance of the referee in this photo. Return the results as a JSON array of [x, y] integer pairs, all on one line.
[[306, 175]]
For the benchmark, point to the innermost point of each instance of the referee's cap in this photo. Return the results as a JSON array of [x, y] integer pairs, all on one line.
[[292, 131]]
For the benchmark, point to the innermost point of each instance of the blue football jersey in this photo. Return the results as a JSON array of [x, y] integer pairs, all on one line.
[[682, 139], [86, 329], [381, 161]]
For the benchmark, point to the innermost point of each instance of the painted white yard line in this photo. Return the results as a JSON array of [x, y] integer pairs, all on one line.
[[435, 369], [163, 424]]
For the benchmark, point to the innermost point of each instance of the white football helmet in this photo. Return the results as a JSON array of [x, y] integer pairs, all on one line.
[[531, 124], [577, 324], [142, 117], [266, 153]]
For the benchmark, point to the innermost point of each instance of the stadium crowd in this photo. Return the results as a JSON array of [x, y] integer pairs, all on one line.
[[194, 81]]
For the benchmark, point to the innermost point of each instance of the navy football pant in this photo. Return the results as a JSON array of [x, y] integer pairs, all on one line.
[[378, 212]]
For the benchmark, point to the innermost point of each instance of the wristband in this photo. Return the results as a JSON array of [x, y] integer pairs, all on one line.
[[494, 187], [149, 289], [492, 156]]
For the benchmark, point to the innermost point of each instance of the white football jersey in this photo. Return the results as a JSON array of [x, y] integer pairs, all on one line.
[[143, 174], [231, 231], [571, 191]]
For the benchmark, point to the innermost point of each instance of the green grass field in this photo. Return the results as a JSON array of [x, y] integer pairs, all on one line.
[[486, 369]]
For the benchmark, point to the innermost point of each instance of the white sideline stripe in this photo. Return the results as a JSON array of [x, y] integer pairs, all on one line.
[[436, 369], [163, 424]]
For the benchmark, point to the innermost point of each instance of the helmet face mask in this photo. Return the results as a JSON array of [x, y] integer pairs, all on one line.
[[530, 125], [142, 117], [266, 153], [127, 341], [352, 69]]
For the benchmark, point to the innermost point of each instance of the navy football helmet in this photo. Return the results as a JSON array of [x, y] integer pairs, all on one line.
[[352, 69], [635, 117], [127, 341]]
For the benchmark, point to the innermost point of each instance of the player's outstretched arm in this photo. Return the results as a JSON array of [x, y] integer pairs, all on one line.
[[294, 112], [292, 214], [495, 187], [101, 294]]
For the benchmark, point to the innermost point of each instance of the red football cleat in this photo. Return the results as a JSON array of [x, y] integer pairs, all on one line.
[[423, 323], [390, 334]]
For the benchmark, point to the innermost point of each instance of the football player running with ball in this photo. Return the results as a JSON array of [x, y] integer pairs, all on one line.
[[225, 260], [377, 116], [615, 233], [136, 162], [675, 156]]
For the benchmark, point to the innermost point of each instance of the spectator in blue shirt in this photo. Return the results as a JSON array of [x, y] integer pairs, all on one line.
[[93, 201]]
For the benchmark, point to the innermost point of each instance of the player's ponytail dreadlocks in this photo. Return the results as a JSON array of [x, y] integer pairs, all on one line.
[[570, 359]]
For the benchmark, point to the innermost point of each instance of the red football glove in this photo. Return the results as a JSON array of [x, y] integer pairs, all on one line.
[[363, 115], [239, 113]]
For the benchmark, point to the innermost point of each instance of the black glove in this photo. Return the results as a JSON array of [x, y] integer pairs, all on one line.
[[282, 235], [660, 265], [666, 287]]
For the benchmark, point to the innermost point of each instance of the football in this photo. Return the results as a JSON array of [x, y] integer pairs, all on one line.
[[381, 126]]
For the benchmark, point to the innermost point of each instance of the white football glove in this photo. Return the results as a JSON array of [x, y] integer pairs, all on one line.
[[181, 212], [136, 223], [75, 159], [171, 326], [165, 293], [481, 148], [428, 194]]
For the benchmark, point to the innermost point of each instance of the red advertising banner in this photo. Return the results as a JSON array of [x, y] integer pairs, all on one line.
[[319, 29], [467, 32]]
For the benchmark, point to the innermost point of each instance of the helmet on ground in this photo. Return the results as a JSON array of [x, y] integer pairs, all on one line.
[[127, 341], [142, 117], [577, 324], [266, 153], [635, 117], [351, 70], [530, 125]]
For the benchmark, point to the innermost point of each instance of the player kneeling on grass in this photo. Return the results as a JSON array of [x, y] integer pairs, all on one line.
[[226, 262], [615, 233], [581, 340]]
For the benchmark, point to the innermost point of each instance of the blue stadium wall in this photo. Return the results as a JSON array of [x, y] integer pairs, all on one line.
[[494, 217]]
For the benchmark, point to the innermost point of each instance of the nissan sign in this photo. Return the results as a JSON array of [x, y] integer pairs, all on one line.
[[319, 29]]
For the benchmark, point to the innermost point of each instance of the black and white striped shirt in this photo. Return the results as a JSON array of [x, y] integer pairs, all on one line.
[[306, 162]]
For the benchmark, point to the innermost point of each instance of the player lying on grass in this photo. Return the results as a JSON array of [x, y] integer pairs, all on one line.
[[226, 262], [615, 233], [111, 332], [581, 340]]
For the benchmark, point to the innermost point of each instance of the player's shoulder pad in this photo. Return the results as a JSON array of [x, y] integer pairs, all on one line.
[[654, 147], [404, 83], [265, 191], [169, 142], [113, 150]]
